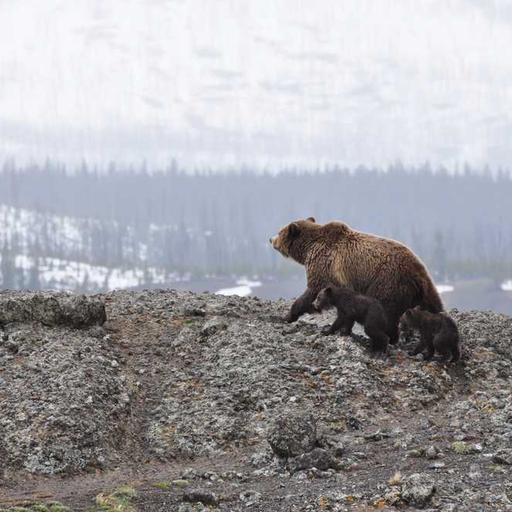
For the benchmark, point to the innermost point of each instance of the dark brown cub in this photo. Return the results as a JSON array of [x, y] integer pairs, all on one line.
[[438, 333], [353, 307]]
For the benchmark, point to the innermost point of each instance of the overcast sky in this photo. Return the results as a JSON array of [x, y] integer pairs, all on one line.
[[266, 82]]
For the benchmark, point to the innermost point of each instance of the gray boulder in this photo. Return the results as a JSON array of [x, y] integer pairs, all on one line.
[[292, 434], [51, 309]]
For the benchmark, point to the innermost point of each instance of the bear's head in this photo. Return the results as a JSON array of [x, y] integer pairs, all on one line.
[[292, 239], [411, 318], [324, 299]]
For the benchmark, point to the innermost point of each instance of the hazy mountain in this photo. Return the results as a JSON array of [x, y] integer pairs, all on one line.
[[267, 82]]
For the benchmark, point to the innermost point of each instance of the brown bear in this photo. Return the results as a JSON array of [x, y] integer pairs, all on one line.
[[335, 254], [438, 332], [353, 307]]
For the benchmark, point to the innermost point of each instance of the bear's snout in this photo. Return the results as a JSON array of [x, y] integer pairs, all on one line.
[[277, 243]]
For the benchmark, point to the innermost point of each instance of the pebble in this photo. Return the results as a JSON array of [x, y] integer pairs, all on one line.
[[503, 457], [200, 496], [180, 483]]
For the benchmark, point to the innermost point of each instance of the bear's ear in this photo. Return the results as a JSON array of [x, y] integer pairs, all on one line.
[[417, 308], [328, 290], [311, 219], [294, 229]]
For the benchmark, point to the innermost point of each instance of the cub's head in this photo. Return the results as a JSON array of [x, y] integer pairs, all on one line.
[[324, 299], [290, 239], [410, 319]]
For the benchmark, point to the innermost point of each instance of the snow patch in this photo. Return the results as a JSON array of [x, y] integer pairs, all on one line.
[[506, 286], [243, 289], [444, 288], [73, 275]]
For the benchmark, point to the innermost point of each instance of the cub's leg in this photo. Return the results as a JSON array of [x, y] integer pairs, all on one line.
[[375, 326], [393, 307], [340, 324], [446, 346], [379, 339], [425, 342], [393, 332], [348, 325], [429, 354], [375, 329], [392, 328]]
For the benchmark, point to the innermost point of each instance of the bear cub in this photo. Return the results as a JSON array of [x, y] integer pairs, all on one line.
[[353, 307], [438, 332]]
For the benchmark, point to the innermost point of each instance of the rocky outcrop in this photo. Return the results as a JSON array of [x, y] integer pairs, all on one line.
[[51, 309], [61, 391], [175, 376]]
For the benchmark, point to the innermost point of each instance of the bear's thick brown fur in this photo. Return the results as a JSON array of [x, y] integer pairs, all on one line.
[[335, 254], [353, 307], [438, 333]]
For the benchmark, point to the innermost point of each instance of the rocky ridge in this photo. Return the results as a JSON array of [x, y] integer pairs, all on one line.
[[291, 419]]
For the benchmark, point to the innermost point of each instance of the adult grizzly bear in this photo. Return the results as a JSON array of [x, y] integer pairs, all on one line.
[[335, 254]]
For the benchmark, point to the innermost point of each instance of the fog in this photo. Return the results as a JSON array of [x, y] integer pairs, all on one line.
[[160, 143], [266, 84]]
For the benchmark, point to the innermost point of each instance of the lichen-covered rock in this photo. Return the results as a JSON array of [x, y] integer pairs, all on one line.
[[504, 457], [317, 458], [62, 401], [200, 496], [213, 326], [51, 309], [292, 434], [418, 490]]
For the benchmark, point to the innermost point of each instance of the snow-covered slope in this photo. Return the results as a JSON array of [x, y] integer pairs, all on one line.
[[48, 251], [59, 274]]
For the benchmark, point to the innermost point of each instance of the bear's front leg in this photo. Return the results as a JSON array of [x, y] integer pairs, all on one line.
[[304, 304], [331, 329], [425, 342]]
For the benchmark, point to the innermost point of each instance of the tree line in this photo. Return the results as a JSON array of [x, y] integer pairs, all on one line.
[[218, 223]]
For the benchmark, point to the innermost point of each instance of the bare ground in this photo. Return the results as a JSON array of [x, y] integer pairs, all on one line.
[[207, 377]]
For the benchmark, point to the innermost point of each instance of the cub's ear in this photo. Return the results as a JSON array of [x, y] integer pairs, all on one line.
[[311, 219], [294, 229], [417, 308], [328, 290]]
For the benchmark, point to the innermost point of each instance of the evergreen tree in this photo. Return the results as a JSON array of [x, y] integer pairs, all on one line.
[[7, 268]]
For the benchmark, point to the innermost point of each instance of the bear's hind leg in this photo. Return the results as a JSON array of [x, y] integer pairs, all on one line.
[[380, 340], [348, 325], [375, 324], [392, 328], [455, 353], [377, 334], [445, 345], [342, 324], [429, 354]]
